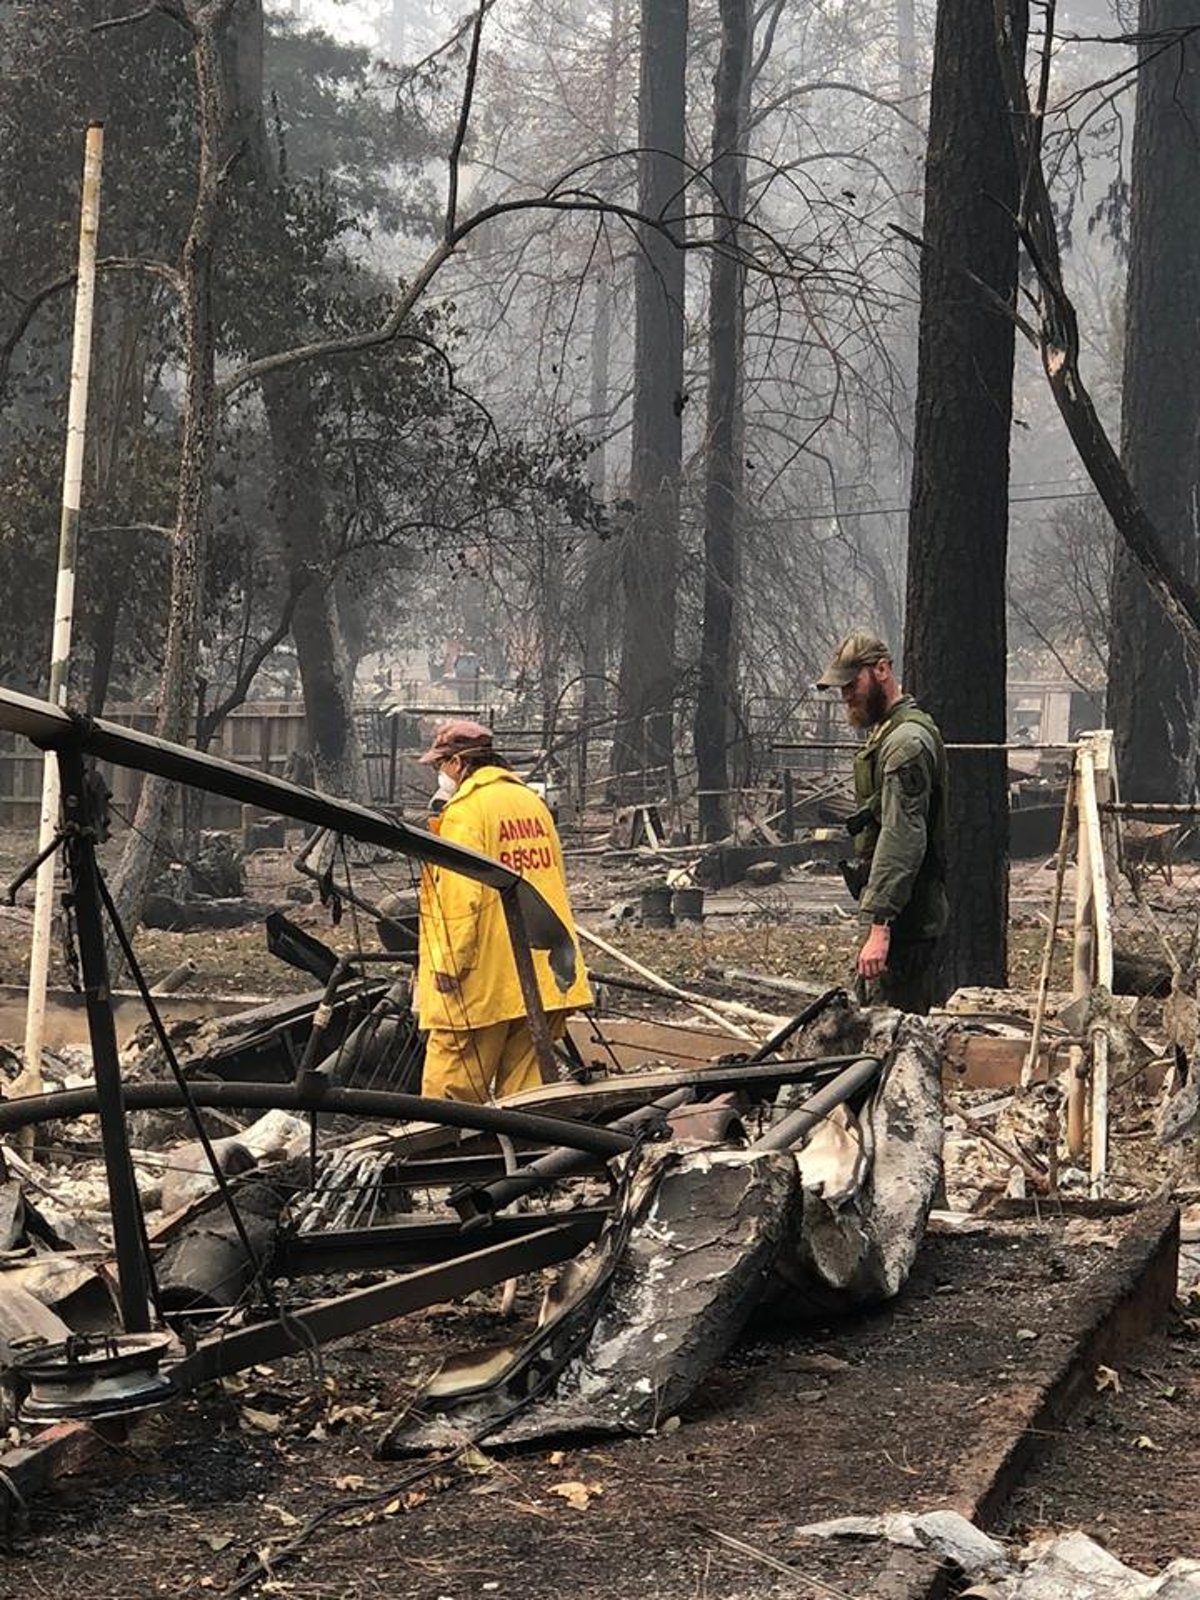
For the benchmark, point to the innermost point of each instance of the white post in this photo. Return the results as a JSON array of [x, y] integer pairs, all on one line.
[[1096, 771], [1084, 956], [64, 596]]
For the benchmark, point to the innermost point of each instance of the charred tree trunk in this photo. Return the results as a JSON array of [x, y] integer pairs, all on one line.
[[321, 654], [177, 693], [955, 651], [325, 663], [597, 565], [650, 564], [1153, 683], [723, 466]]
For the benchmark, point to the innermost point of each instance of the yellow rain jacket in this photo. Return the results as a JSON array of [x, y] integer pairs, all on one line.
[[463, 930]]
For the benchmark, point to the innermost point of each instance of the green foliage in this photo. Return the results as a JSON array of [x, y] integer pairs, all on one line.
[[409, 462]]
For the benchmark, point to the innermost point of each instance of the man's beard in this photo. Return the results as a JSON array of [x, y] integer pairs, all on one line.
[[872, 711]]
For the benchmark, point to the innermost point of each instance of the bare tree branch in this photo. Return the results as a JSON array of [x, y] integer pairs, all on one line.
[[1058, 343], [796, 91], [34, 303], [464, 117], [157, 8], [248, 671]]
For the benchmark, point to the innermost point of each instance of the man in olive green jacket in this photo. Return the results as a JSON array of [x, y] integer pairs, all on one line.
[[899, 829]]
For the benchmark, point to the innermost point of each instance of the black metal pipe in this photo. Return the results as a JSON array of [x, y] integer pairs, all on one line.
[[383, 1104], [53, 728], [789, 1029], [479, 1202], [535, 1012], [108, 1095], [800, 1122], [323, 1015]]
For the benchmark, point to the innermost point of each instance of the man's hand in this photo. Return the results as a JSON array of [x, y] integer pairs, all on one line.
[[447, 983], [873, 957]]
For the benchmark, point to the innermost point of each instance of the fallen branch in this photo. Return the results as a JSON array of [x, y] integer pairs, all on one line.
[[766, 1559], [1036, 1175], [717, 1011]]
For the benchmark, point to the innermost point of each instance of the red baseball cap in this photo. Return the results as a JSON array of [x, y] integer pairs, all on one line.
[[456, 739]]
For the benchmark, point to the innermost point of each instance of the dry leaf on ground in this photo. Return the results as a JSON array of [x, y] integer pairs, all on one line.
[[576, 1493]]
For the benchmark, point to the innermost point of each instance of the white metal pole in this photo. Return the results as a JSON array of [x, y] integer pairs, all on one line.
[[64, 596]]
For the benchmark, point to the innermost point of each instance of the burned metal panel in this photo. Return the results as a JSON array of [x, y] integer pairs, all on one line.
[[641, 1320], [865, 1206], [306, 1326]]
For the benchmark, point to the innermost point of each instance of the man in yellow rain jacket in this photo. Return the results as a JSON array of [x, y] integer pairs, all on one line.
[[468, 994]]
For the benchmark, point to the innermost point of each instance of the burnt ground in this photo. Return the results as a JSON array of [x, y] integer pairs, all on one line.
[[1126, 1467], [891, 1410]]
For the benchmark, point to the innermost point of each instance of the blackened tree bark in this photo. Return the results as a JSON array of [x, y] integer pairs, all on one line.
[[321, 656], [724, 459], [955, 652], [596, 621], [650, 558], [301, 504], [1153, 685], [218, 116]]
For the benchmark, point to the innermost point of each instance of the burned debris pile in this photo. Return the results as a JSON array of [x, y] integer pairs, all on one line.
[[293, 1187]]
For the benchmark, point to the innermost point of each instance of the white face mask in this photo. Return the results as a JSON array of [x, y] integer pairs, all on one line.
[[446, 785]]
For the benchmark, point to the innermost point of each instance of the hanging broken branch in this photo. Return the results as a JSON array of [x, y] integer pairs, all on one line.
[[1057, 339]]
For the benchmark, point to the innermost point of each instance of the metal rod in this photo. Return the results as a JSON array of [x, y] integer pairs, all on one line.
[[30, 869], [107, 1097], [776, 1042], [64, 597], [202, 1134], [1146, 808], [535, 1012], [1043, 986], [322, 1097], [476, 1203], [416, 1243], [847, 745], [393, 759], [232, 1349], [705, 1007], [800, 1122]]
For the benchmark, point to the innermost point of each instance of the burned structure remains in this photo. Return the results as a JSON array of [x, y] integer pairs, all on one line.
[[673, 1203]]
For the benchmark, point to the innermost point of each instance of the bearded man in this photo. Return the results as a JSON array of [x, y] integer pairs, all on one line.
[[899, 830]]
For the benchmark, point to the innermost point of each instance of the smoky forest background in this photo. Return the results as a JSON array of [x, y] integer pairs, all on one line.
[[635, 349]]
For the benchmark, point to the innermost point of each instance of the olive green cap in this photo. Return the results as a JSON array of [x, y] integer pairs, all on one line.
[[859, 649]]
